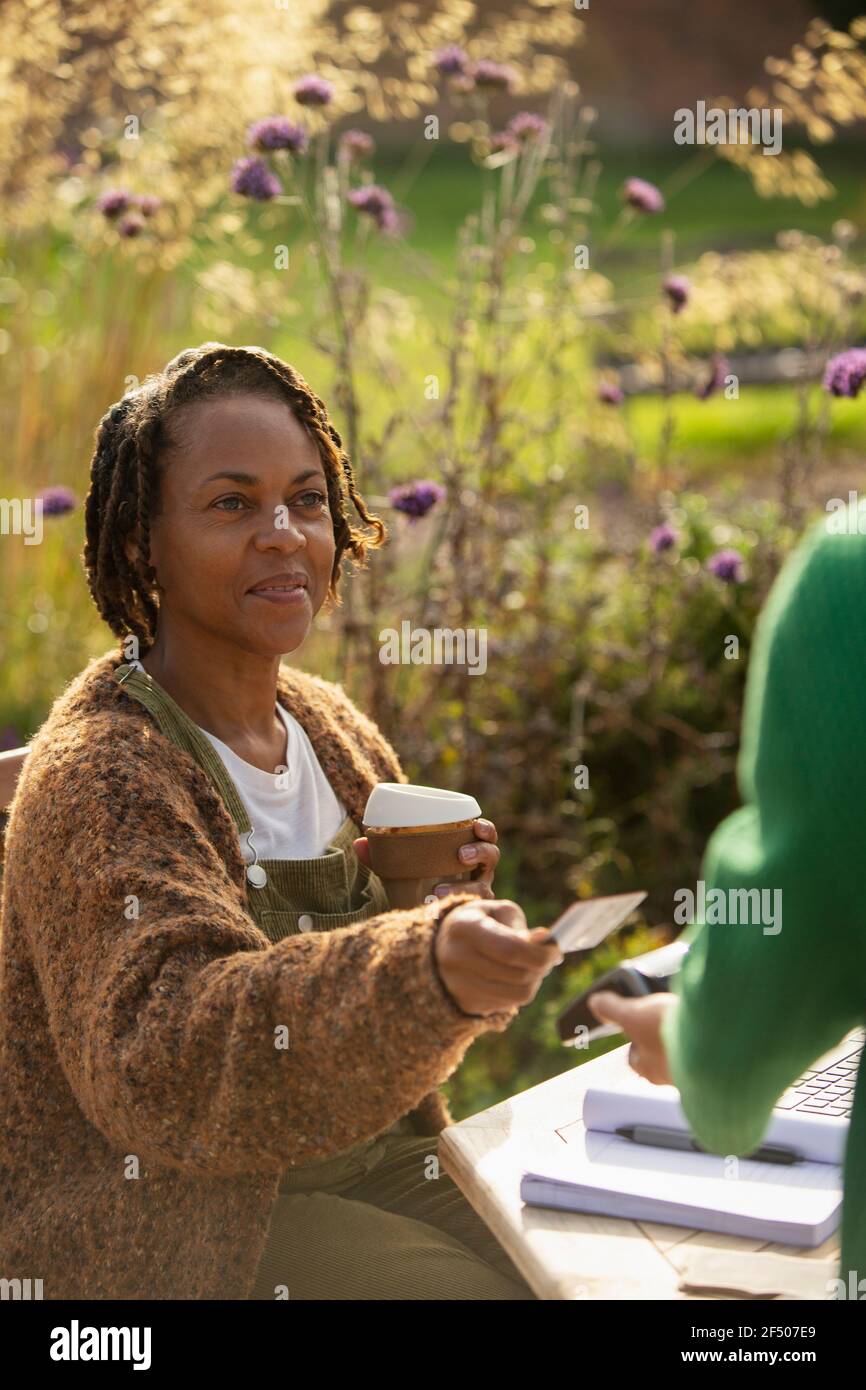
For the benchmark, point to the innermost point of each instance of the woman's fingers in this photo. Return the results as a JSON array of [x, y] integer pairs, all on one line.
[[492, 994], [476, 886], [641, 1020], [485, 830], [610, 1007], [481, 859]]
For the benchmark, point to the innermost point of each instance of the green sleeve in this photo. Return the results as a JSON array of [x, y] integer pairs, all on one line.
[[758, 1002]]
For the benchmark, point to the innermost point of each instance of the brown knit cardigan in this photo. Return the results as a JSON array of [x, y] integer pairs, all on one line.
[[145, 1112]]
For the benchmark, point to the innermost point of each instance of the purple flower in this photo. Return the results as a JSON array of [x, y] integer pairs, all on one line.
[[450, 61], [463, 82], [56, 501], [378, 204], [489, 74], [726, 565], [131, 225], [416, 499], [371, 198], [10, 738], [277, 133], [610, 394], [526, 125], [253, 179], [663, 538], [313, 91], [846, 373], [390, 222], [148, 204], [716, 380], [114, 202], [357, 144], [643, 196], [503, 140], [677, 288]]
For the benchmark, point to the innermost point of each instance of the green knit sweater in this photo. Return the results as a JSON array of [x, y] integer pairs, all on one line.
[[758, 1006]]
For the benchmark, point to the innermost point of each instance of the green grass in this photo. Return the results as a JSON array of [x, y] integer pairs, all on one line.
[[716, 210], [729, 437]]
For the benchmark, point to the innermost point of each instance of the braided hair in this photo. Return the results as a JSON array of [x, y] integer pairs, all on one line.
[[124, 478]]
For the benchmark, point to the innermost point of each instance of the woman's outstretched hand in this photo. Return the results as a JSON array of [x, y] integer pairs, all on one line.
[[641, 1020], [488, 959], [483, 859]]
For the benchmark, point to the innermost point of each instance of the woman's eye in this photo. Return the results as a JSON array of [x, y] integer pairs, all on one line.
[[312, 499], [233, 497]]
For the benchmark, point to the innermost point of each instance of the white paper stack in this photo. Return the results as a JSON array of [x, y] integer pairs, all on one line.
[[602, 1172]]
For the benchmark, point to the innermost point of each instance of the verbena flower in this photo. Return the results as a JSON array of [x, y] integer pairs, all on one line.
[[526, 125], [148, 204], [277, 133], [253, 178], [503, 140], [114, 202], [716, 380], [131, 224], [677, 288], [357, 144], [462, 82], [726, 565], [376, 202], [451, 60], [845, 373], [663, 538], [610, 394], [416, 499], [486, 73], [643, 196], [313, 91], [56, 501]]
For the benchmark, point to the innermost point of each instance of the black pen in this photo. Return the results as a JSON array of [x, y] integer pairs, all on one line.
[[661, 1138]]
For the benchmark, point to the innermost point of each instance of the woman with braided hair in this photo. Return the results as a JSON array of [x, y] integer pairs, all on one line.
[[220, 1052]]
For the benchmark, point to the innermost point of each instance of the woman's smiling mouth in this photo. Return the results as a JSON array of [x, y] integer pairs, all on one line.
[[285, 588]]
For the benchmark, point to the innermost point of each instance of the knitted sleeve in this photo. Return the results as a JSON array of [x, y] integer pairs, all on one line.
[[775, 973], [185, 1037]]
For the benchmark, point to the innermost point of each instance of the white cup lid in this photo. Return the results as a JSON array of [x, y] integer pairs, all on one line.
[[400, 803]]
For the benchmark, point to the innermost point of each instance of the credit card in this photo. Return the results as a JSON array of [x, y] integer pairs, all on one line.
[[586, 923]]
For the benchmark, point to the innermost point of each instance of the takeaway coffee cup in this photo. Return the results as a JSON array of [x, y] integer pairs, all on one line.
[[414, 834]]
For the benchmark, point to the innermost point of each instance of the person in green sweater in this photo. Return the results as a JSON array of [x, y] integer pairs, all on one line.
[[755, 1004]]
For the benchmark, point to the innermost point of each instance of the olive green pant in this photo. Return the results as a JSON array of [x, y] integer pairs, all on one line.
[[378, 1223]]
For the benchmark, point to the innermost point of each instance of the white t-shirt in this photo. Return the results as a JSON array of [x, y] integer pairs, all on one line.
[[294, 814]]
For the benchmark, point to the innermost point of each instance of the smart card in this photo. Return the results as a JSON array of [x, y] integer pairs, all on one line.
[[586, 923]]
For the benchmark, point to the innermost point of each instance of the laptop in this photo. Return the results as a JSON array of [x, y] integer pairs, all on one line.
[[827, 1088]]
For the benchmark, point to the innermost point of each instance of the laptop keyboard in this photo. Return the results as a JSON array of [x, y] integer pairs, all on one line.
[[828, 1088]]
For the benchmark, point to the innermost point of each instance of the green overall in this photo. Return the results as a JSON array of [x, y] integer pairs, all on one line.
[[373, 1222]]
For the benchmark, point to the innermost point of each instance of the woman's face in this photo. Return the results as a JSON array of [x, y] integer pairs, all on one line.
[[243, 518]]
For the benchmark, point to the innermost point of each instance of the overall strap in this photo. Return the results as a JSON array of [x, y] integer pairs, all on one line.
[[176, 724]]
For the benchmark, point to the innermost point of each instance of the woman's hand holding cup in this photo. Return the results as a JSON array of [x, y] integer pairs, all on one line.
[[488, 959]]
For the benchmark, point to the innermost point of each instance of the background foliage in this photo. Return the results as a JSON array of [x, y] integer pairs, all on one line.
[[469, 350]]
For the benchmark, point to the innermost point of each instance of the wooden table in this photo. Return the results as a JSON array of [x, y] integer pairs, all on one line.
[[569, 1255]]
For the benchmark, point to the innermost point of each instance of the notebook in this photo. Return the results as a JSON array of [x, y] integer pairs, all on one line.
[[606, 1173]]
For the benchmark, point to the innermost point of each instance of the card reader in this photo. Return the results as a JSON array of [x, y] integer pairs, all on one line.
[[651, 973]]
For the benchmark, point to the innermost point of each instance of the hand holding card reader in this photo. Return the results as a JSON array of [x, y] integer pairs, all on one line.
[[651, 973]]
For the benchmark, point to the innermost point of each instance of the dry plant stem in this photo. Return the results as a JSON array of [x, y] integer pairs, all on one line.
[[668, 425], [328, 240]]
